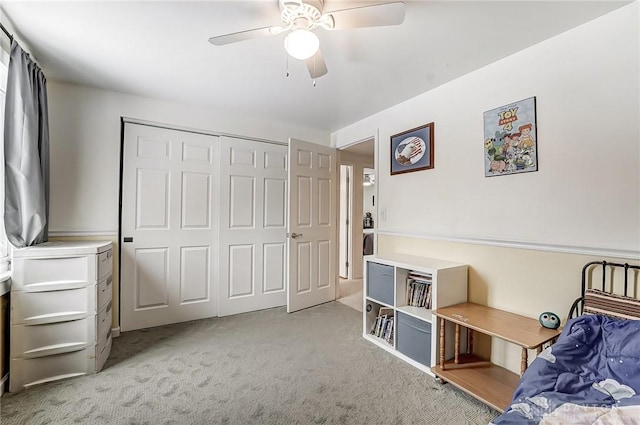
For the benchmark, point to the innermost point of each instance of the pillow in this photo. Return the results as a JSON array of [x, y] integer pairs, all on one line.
[[612, 305]]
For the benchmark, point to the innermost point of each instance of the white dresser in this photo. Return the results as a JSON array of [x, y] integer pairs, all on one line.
[[61, 311]]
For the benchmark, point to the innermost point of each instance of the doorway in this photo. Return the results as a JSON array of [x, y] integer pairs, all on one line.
[[344, 220], [357, 230]]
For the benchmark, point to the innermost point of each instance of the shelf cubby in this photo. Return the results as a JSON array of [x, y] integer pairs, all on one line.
[[372, 312]]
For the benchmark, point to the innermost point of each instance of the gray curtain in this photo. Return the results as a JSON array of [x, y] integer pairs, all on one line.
[[26, 152]]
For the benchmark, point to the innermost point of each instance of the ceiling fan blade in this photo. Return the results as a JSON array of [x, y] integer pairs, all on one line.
[[369, 16], [234, 37], [316, 65]]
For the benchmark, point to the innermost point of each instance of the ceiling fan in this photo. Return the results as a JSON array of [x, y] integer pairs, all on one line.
[[301, 17]]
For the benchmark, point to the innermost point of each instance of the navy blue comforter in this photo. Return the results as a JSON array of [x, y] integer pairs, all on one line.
[[591, 375]]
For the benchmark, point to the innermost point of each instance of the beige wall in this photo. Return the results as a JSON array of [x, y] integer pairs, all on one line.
[[522, 281]]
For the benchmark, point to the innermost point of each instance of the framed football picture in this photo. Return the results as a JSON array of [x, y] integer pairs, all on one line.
[[412, 150]]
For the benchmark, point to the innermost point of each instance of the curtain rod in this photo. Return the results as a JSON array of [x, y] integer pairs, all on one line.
[[6, 32]]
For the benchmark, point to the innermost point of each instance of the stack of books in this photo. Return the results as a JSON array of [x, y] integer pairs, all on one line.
[[419, 289], [383, 326]]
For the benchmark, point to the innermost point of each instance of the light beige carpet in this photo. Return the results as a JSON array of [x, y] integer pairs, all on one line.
[[266, 367]]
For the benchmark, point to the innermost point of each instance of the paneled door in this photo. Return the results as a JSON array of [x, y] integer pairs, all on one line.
[[253, 211], [168, 227], [312, 228]]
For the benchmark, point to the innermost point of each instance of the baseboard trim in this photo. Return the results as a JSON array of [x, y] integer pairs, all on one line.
[[76, 233], [115, 332], [567, 249]]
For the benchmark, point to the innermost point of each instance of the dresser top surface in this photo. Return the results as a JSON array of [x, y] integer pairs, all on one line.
[[58, 248]]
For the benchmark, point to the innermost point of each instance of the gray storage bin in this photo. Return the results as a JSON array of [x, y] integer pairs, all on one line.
[[380, 282], [414, 338]]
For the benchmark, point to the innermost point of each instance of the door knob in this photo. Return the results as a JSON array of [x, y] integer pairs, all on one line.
[[296, 235]]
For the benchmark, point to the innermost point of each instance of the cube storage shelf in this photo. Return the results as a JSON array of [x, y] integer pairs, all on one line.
[[414, 337]]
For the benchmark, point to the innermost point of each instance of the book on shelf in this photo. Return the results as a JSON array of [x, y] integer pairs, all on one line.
[[423, 275], [418, 293], [420, 277], [384, 311], [383, 325]]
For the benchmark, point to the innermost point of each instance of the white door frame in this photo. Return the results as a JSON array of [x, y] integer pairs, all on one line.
[[357, 200], [345, 205]]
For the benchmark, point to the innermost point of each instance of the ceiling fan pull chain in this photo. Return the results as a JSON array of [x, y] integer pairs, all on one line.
[[287, 62]]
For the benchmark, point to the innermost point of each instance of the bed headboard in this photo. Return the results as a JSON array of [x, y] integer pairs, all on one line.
[[609, 288]]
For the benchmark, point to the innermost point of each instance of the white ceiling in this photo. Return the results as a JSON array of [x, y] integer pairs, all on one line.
[[160, 50]]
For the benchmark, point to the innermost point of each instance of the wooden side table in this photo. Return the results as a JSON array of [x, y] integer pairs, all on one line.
[[489, 383]]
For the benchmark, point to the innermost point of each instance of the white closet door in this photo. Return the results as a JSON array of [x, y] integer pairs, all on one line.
[[312, 225], [168, 227], [253, 199]]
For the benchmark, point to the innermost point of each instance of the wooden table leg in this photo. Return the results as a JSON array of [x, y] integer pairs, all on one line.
[[523, 363], [456, 347], [539, 349], [442, 343], [469, 341]]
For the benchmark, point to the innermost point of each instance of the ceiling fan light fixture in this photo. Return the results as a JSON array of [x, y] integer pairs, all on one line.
[[301, 44]]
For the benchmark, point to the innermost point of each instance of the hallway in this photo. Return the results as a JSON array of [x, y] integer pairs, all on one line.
[[351, 293]]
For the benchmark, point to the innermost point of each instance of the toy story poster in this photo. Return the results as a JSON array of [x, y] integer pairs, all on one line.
[[510, 139]]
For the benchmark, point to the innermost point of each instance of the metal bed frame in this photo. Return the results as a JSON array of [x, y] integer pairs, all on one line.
[[578, 305]]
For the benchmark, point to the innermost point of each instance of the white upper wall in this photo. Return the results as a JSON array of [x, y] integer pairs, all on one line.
[[85, 147], [586, 193]]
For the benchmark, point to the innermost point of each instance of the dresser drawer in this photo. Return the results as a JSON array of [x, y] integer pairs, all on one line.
[[53, 273], [35, 308], [105, 291], [105, 263], [104, 320], [53, 338], [103, 349], [28, 372]]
